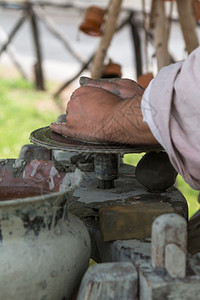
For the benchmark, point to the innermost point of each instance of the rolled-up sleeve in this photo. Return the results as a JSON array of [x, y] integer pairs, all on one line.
[[174, 101]]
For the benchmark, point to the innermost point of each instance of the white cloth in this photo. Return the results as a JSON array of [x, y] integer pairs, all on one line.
[[147, 112], [171, 108]]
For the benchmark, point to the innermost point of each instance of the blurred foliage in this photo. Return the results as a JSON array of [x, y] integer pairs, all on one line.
[[22, 111]]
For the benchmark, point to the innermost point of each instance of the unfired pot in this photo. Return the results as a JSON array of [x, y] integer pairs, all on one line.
[[44, 252]]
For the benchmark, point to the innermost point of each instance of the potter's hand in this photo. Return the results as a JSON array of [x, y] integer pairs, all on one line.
[[124, 88], [96, 114], [89, 115]]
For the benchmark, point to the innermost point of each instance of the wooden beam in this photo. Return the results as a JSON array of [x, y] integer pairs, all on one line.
[[160, 31], [110, 27], [13, 32], [50, 24], [39, 80]]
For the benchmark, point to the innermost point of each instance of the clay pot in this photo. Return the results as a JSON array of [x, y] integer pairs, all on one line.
[[93, 21], [112, 70], [145, 79], [196, 9], [44, 251]]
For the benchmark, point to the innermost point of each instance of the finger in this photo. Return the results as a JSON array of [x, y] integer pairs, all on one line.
[[90, 91], [62, 129], [123, 87], [110, 84], [83, 90], [58, 126]]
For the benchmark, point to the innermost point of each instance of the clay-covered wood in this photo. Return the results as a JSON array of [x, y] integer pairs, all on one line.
[[113, 281], [156, 283], [167, 229]]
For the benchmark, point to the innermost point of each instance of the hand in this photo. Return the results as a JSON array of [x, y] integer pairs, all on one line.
[[89, 114], [106, 111]]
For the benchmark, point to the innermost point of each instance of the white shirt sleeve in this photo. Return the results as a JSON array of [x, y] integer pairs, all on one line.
[[147, 114], [171, 108]]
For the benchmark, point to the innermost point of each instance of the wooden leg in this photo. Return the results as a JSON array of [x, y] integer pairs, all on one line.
[[13, 32], [137, 46], [38, 65]]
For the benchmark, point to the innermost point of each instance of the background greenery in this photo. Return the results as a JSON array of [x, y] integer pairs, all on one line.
[[23, 109]]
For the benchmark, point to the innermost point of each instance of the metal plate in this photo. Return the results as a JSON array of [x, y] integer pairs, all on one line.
[[51, 140]]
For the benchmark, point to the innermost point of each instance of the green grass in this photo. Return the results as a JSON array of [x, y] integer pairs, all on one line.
[[20, 114], [190, 195]]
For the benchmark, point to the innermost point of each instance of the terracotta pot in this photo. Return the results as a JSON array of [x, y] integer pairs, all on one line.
[[145, 79], [196, 9], [93, 21], [43, 250], [112, 70]]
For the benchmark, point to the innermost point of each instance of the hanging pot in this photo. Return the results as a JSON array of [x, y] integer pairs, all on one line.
[[44, 251], [92, 24], [112, 70], [145, 79]]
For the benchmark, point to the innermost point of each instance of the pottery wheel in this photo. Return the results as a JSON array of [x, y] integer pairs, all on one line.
[[106, 155], [51, 140]]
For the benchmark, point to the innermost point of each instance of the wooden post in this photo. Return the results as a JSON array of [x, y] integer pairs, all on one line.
[[86, 64], [38, 65], [13, 32], [137, 45], [51, 25], [12, 53], [160, 31], [188, 24], [110, 27]]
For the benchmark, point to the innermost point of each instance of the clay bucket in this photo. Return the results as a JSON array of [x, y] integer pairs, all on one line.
[[112, 70], [44, 251], [93, 21]]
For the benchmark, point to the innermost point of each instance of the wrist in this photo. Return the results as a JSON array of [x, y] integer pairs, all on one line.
[[129, 123]]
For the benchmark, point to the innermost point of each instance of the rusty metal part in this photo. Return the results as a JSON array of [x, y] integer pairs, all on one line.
[[106, 169]]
